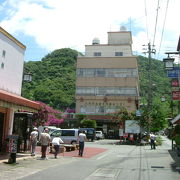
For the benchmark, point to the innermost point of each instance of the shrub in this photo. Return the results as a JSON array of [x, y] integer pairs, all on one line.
[[158, 141]]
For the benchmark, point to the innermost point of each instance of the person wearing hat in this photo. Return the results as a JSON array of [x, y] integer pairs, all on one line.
[[33, 140], [44, 140]]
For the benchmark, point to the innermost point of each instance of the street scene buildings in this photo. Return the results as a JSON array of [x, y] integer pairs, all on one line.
[[89, 90], [107, 78]]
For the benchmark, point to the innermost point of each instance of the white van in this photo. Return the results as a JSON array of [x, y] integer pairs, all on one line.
[[69, 136]]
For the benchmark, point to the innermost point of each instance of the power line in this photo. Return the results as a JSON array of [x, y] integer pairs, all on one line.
[[163, 28], [146, 19], [156, 23]]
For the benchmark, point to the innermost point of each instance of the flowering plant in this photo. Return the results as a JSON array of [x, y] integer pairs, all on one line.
[[47, 116]]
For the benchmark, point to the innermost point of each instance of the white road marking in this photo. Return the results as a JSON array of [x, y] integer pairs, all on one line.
[[101, 156]]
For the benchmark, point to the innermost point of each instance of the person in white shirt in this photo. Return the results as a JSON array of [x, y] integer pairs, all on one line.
[[56, 144], [33, 140], [152, 141], [81, 138]]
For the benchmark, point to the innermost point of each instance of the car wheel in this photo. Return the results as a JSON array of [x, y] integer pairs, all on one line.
[[73, 142]]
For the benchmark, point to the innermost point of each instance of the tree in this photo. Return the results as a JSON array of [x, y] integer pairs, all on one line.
[[121, 116], [53, 79], [88, 123], [47, 116], [155, 119]]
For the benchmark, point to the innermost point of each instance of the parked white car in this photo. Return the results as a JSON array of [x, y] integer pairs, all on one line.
[[69, 136], [99, 135]]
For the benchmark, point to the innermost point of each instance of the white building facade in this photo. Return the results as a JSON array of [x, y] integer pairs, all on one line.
[[11, 63], [11, 74]]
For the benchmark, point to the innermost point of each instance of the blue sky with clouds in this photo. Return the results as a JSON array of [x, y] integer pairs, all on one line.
[[45, 25]]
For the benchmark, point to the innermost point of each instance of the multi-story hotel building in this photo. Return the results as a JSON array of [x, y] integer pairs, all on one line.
[[107, 78]]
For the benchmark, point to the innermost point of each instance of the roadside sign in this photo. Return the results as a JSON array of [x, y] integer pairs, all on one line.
[[13, 143], [131, 137], [132, 126], [174, 73], [125, 135], [175, 82], [121, 132], [176, 95], [138, 113]]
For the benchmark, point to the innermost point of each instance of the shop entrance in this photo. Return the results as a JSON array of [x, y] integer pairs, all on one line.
[[1, 129]]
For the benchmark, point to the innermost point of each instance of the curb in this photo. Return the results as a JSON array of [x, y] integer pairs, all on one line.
[[19, 158]]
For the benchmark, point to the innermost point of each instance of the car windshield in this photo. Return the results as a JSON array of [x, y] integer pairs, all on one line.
[[56, 133]]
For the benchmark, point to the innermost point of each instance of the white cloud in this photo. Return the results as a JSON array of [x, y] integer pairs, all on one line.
[[74, 23]]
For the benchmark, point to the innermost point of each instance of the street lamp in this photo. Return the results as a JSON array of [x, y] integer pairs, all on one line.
[[27, 77], [168, 63]]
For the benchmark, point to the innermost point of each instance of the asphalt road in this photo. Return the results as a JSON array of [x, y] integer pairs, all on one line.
[[126, 162]]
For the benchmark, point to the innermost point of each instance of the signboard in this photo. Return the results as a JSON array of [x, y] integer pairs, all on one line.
[[105, 128], [176, 95], [125, 135], [174, 73], [131, 126], [138, 113], [131, 137], [175, 82], [120, 132], [13, 143]]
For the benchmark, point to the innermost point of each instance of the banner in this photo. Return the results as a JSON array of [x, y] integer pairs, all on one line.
[[175, 95]]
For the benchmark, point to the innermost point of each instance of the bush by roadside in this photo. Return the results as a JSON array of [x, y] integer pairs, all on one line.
[[159, 140]]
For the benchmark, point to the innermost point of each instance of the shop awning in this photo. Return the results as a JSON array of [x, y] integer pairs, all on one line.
[[18, 100], [176, 120]]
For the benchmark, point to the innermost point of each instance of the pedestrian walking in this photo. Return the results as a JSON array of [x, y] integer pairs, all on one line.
[[152, 141], [33, 140], [45, 141], [56, 145], [81, 138]]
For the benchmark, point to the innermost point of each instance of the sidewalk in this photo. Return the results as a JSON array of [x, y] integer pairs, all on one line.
[[19, 156], [167, 143], [88, 153]]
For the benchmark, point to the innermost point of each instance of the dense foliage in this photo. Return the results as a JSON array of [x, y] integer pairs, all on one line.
[[47, 116], [88, 123], [159, 80], [53, 79]]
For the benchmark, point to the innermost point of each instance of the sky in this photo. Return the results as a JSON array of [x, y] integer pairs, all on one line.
[[46, 25]]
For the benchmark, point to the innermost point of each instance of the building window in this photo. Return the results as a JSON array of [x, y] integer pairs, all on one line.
[[97, 53], [118, 53], [3, 53], [98, 109], [104, 72], [2, 65], [108, 91], [100, 72]]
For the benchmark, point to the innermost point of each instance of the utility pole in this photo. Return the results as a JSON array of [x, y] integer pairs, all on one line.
[[149, 100]]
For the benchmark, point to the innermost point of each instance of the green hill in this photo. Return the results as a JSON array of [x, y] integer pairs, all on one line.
[[160, 82], [54, 79]]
